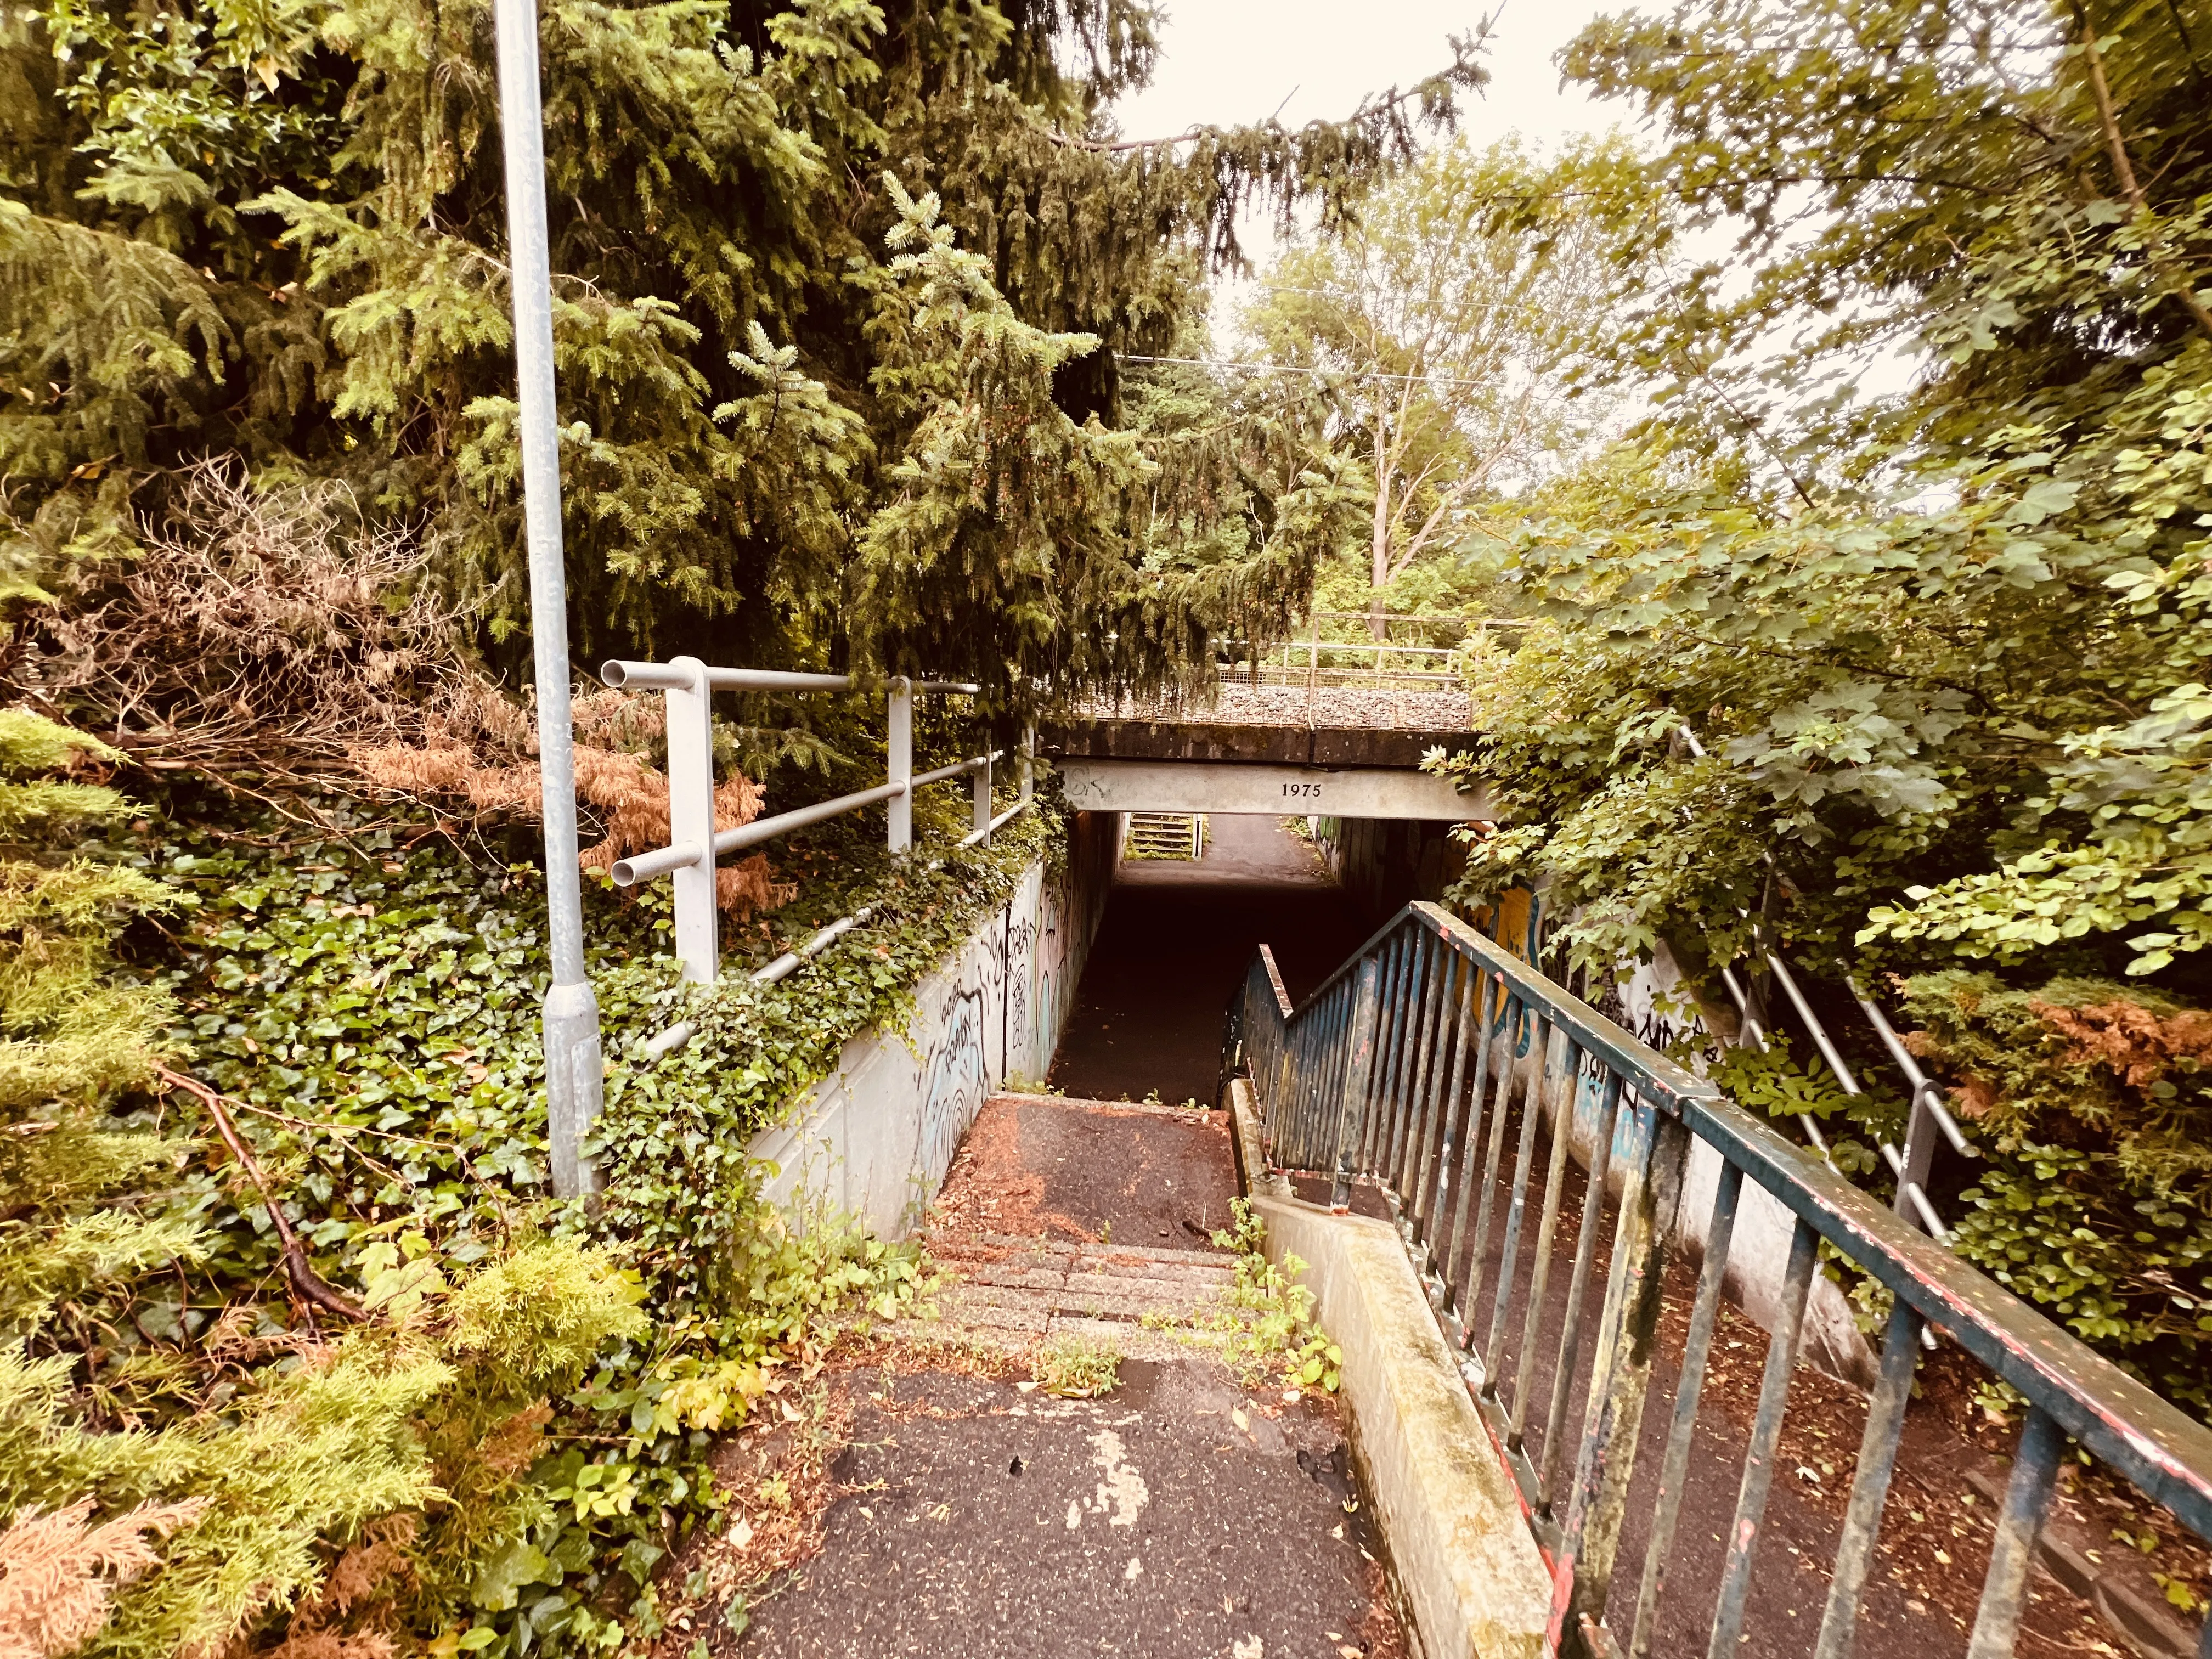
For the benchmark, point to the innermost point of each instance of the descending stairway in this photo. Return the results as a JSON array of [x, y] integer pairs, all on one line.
[[1072, 1174], [988, 1497], [1144, 1303]]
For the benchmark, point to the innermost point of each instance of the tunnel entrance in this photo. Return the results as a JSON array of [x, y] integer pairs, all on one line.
[[1177, 937]]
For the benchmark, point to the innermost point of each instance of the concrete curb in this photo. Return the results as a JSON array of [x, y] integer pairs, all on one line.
[[1472, 1582]]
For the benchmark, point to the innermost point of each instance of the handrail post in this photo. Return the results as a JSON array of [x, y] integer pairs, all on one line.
[[2012, 1551], [899, 746], [1356, 1076], [691, 818], [574, 1073], [1026, 776], [982, 821]]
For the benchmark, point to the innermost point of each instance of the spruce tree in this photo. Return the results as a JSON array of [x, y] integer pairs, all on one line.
[[279, 231]]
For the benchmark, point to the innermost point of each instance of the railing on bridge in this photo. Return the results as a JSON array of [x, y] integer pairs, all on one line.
[[1406, 1067], [1385, 663], [687, 686]]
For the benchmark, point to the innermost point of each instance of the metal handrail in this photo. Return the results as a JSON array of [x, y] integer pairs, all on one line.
[[687, 685], [1406, 1065]]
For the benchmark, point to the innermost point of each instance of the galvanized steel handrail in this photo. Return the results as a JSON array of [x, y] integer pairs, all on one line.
[[687, 686], [1406, 1067]]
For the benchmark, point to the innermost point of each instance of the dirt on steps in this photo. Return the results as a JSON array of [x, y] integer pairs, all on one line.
[[1091, 1172], [1084, 1219]]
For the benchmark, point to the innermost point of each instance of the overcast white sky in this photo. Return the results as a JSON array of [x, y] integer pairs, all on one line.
[[1229, 61], [1238, 60], [1232, 61]]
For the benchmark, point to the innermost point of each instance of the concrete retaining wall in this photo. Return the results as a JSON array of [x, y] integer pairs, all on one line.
[[874, 1139], [1385, 863], [1471, 1580]]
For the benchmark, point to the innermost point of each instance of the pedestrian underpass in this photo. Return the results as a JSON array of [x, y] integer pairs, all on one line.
[[1489, 1276], [1664, 1476]]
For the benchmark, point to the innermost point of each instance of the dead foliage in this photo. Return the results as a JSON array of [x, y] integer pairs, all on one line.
[[2137, 1044], [269, 631], [355, 1614], [58, 1574], [279, 633], [631, 796]]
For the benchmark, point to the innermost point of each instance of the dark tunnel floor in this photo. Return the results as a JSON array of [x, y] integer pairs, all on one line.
[[1174, 947]]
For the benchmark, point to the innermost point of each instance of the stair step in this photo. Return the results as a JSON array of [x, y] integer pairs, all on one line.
[[1085, 1103], [1096, 1258]]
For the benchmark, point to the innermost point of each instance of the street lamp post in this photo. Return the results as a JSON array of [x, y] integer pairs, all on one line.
[[574, 1076]]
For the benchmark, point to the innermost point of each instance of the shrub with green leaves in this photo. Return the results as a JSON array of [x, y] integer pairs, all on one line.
[[365, 998], [279, 1443], [1906, 685], [2092, 1104]]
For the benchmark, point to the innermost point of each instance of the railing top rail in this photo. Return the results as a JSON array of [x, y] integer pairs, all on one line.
[[1275, 980], [2153, 1442], [671, 676], [2157, 1444], [1588, 1028]]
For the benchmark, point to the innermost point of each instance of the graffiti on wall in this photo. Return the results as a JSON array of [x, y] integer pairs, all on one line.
[[1042, 1036], [955, 1079], [876, 1138], [1014, 1013]]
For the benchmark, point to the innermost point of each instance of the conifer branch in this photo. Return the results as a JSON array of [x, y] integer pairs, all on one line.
[[1464, 72]]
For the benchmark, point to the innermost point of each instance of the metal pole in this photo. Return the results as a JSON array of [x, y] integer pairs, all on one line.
[[983, 816], [899, 744], [574, 1079], [691, 818]]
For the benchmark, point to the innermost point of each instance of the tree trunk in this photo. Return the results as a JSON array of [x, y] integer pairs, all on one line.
[[1379, 570]]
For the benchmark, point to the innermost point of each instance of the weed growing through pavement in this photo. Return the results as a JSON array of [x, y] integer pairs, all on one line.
[[1284, 1335], [1077, 1368]]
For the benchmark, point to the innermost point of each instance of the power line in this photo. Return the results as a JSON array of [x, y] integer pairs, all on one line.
[[1293, 368]]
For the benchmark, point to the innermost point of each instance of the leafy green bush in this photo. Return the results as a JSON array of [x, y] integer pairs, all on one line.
[[2092, 1103], [367, 1001], [257, 1466]]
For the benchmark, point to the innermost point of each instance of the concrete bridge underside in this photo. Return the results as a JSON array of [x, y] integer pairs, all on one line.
[[1157, 765]]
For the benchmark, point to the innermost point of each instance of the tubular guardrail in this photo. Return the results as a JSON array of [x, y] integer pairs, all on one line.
[[687, 685], [1404, 1066], [1925, 1117]]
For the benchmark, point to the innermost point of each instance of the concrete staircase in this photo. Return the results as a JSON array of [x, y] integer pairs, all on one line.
[[1011, 1292], [1024, 1233]]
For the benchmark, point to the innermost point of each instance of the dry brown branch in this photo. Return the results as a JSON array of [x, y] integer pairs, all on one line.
[[2135, 1045], [353, 1615], [266, 631], [630, 797], [277, 632], [58, 1575], [311, 1285]]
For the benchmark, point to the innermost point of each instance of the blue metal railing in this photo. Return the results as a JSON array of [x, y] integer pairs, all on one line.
[[1431, 1050]]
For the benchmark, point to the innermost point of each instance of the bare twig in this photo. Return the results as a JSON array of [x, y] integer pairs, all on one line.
[[309, 1285], [2093, 63]]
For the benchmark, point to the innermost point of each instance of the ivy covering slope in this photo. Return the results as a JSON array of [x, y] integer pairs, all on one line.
[[1916, 686], [493, 1423]]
